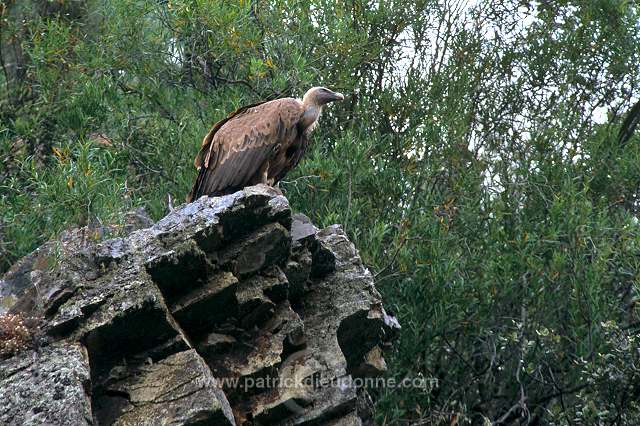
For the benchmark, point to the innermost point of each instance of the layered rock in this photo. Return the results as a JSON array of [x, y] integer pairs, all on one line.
[[227, 311]]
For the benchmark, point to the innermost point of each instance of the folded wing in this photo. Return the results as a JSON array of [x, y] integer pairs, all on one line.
[[237, 149]]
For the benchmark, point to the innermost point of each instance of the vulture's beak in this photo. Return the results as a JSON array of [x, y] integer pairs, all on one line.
[[338, 96]]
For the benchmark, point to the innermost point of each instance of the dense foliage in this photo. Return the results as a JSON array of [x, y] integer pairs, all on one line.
[[475, 163]]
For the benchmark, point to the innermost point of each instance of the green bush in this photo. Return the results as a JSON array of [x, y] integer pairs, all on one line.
[[474, 162]]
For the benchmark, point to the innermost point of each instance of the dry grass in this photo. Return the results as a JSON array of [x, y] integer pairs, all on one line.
[[16, 334]]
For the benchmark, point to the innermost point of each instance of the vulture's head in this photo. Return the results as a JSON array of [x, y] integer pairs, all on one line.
[[320, 96]]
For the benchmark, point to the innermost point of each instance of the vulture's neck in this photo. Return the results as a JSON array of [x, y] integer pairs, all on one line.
[[310, 117]]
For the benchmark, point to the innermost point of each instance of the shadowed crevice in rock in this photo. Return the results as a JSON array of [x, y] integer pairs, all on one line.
[[264, 247], [229, 310], [179, 270], [141, 328], [207, 305], [360, 336]]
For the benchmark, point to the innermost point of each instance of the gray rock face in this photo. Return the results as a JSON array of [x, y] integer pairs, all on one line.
[[50, 386], [178, 390], [25, 275], [227, 311]]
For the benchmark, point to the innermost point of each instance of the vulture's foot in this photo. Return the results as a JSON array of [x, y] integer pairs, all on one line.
[[277, 189]]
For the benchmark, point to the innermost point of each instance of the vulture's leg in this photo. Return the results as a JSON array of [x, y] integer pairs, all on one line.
[[277, 188], [264, 173]]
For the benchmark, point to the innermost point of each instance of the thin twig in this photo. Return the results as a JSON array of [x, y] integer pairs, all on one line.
[[241, 82], [287, 182], [393, 258]]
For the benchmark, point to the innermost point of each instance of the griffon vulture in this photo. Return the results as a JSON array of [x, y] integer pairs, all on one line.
[[258, 143]]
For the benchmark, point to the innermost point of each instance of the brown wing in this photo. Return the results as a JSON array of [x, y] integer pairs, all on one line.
[[236, 148], [205, 149]]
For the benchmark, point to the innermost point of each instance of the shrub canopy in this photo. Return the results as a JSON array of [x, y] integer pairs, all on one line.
[[476, 163]]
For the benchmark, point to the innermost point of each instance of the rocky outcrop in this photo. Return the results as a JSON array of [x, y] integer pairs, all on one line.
[[228, 311]]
